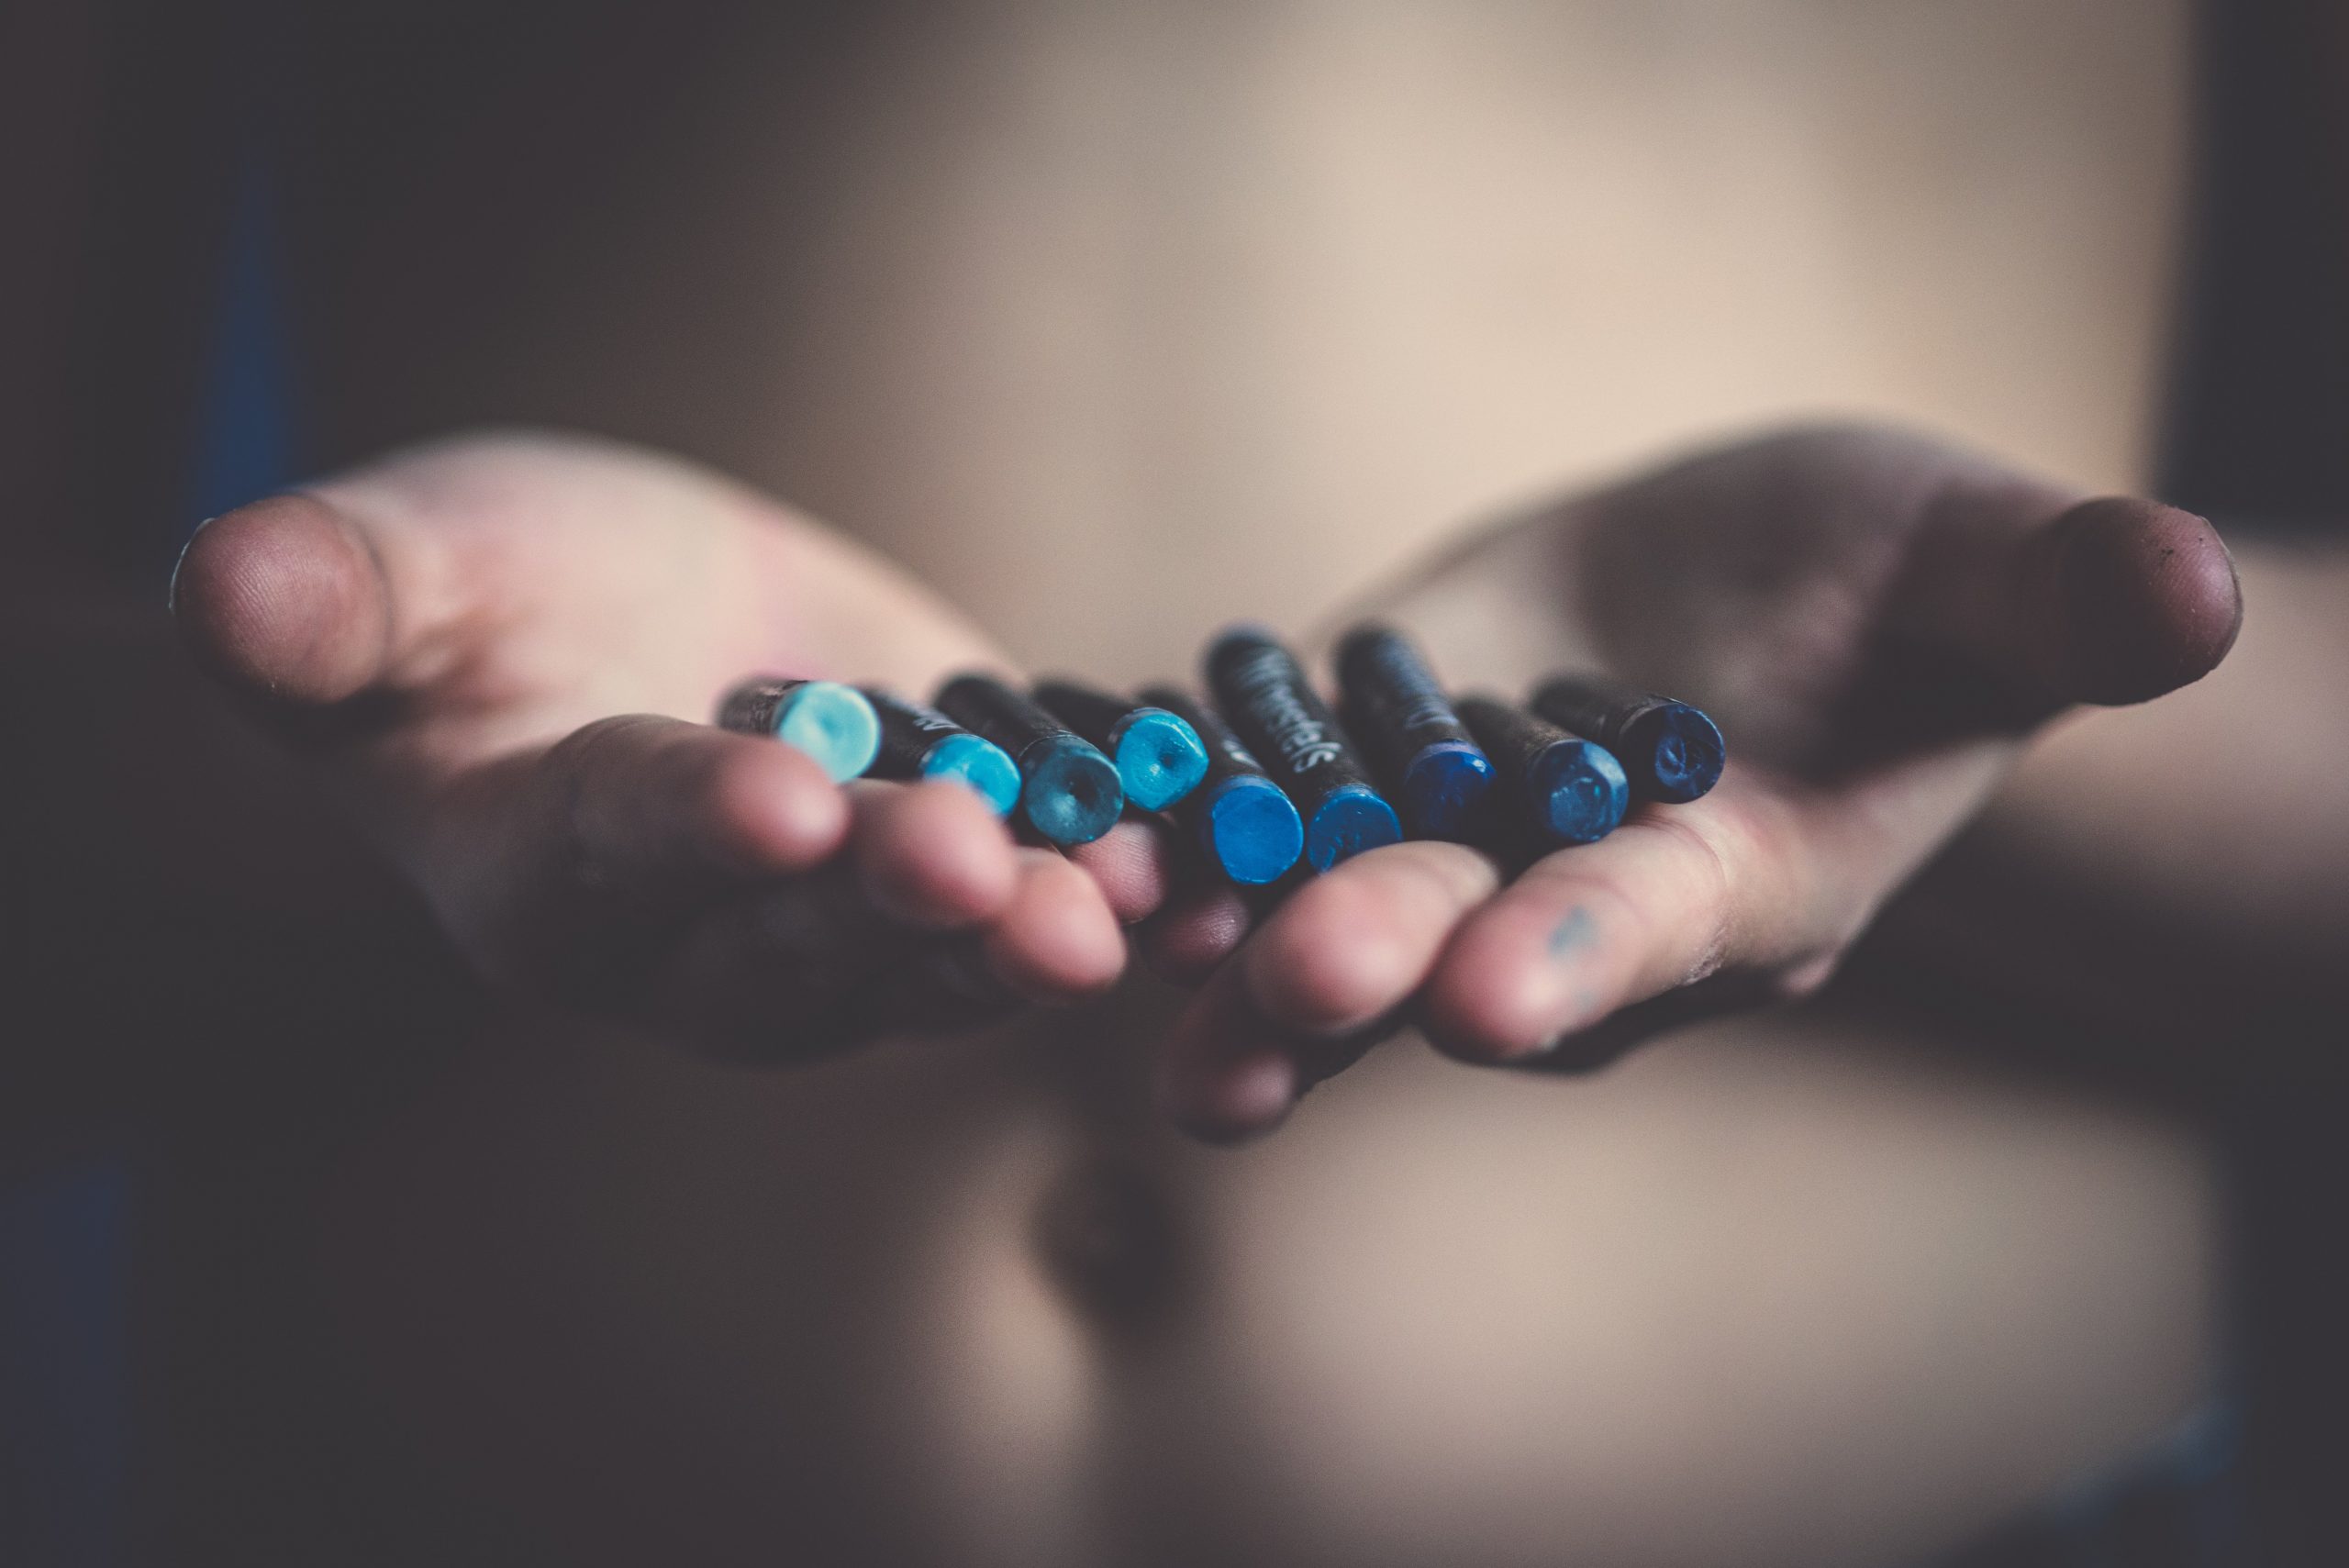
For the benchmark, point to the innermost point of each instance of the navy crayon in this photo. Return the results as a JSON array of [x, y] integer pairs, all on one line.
[[1670, 751], [830, 722], [1394, 706], [1159, 757], [1069, 792], [1243, 819], [919, 742], [1568, 790], [1263, 693]]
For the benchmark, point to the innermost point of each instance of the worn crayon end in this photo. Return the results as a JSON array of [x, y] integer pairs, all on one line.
[[1444, 789], [1579, 791], [1071, 794], [833, 724], [1678, 751], [982, 765], [1252, 830], [1160, 759], [1347, 822]]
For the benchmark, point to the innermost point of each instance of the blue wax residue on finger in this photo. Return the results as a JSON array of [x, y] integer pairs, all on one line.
[[982, 765], [1683, 750], [1252, 830], [1579, 791], [1160, 759], [1348, 820], [833, 724], [1071, 794], [1444, 788]]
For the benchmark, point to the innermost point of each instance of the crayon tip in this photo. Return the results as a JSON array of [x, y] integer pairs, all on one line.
[[833, 724], [1682, 749], [1349, 821], [1252, 830], [1444, 788], [1579, 790], [983, 765], [1071, 794], [1160, 759]]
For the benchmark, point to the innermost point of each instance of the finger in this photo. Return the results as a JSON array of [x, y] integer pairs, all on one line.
[[778, 974], [1350, 946], [931, 854], [303, 603], [1056, 938], [653, 809], [2111, 600], [1667, 899], [1133, 865], [1202, 924], [1224, 1073]]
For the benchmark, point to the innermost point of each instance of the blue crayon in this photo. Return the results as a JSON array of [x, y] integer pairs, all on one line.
[[919, 742], [1567, 789], [1160, 757], [1670, 751], [1243, 821], [830, 722], [1394, 706], [1069, 792], [1262, 691]]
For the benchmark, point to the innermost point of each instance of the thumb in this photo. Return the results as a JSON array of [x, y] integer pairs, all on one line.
[[2111, 600], [286, 600]]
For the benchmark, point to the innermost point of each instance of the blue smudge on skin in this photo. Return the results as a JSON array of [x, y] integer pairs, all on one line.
[[1577, 931]]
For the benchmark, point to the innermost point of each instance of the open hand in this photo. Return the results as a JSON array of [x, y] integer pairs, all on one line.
[[1878, 621], [450, 632]]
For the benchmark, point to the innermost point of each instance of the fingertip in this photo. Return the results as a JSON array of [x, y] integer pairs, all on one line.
[[1327, 958], [1055, 939], [1197, 931], [1238, 1100], [1505, 991], [2146, 597], [1132, 864], [772, 809], [1350, 945], [284, 598], [931, 854]]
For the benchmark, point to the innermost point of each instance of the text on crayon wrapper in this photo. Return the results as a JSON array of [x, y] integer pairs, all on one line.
[[1304, 741]]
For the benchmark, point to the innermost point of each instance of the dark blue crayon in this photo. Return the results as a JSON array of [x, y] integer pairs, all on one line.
[[1160, 757], [1670, 751], [1262, 691], [829, 722], [1241, 818], [1568, 790], [919, 742], [1394, 706], [1069, 792]]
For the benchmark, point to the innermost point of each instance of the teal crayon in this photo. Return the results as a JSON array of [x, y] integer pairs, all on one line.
[[1068, 792], [918, 742], [831, 723], [1243, 821], [1158, 756]]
